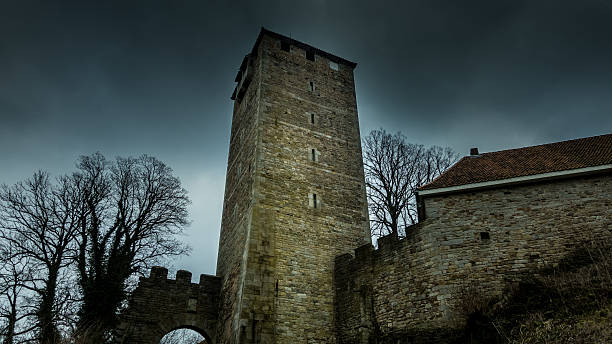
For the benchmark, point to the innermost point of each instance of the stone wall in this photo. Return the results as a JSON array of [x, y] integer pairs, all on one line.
[[160, 305], [306, 238], [277, 249], [480, 241], [237, 205]]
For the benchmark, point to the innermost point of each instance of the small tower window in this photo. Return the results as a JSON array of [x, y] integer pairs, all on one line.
[[485, 236], [314, 155], [285, 46], [333, 65], [310, 55], [312, 118], [314, 201], [311, 86]]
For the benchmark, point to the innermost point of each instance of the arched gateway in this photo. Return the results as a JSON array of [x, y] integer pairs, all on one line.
[[160, 305]]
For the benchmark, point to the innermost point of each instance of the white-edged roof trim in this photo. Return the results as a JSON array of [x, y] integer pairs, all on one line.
[[514, 180]]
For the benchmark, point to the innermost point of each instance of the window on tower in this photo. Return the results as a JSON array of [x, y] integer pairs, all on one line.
[[314, 155], [311, 86], [314, 201]]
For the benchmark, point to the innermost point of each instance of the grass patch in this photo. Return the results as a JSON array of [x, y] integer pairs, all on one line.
[[567, 303]]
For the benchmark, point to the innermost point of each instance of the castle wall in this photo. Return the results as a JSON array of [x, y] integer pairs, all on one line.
[[160, 305], [409, 287]]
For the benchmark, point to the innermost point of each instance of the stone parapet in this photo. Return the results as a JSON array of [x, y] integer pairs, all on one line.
[[159, 305]]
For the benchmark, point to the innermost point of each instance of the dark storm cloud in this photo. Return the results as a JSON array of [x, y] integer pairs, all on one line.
[[133, 77]]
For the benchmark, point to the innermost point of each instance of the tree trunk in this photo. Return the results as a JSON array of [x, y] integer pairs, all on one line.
[[45, 314], [101, 299], [12, 320]]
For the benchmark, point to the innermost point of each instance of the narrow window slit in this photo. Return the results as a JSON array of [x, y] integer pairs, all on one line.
[[312, 118], [276, 289], [314, 200]]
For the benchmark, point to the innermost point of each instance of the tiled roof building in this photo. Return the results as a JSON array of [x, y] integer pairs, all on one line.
[[545, 161]]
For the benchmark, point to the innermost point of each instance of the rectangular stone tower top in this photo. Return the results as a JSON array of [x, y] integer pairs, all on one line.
[[286, 42]]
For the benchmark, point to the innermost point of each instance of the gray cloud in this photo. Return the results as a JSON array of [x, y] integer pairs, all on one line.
[[126, 78]]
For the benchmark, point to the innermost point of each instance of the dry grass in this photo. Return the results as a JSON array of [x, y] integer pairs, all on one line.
[[568, 303]]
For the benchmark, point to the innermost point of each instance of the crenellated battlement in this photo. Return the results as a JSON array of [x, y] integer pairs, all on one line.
[[159, 275], [386, 246]]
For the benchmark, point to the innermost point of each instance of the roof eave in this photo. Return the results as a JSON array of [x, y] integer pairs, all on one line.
[[516, 180]]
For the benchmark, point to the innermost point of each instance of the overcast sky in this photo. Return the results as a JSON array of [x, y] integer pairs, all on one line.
[[133, 77]]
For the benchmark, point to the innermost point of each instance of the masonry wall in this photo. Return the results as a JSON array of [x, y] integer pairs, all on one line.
[[306, 239], [280, 286], [408, 288], [237, 206]]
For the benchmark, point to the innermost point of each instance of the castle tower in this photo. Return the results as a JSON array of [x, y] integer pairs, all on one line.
[[294, 194]]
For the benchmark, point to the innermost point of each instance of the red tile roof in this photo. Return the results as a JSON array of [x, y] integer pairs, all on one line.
[[519, 162]]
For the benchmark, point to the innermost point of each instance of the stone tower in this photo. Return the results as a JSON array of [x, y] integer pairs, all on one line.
[[294, 194]]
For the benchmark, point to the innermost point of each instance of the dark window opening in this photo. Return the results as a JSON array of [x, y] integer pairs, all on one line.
[[314, 155], [285, 46], [276, 289], [310, 55], [312, 118], [311, 84], [314, 200], [485, 236]]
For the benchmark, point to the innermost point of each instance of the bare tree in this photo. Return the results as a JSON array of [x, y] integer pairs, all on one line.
[[14, 277], [394, 169], [37, 221], [134, 210], [433, 163], [82, 239]]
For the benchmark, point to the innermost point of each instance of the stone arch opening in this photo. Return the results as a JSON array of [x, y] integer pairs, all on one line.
[[186, 335]]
